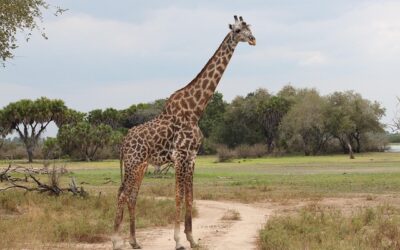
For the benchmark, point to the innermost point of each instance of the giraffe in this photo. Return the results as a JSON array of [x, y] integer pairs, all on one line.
[[174, 137]]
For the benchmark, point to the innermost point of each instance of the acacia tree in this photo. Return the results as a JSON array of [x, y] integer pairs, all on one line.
[[29, 119], [19, 15]]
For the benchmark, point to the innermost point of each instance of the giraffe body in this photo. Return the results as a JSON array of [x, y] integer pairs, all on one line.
[[174, 137]]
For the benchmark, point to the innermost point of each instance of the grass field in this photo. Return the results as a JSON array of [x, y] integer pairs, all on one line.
[[267, 179]]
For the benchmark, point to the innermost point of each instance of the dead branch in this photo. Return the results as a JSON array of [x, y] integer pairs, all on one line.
[[52, 188]]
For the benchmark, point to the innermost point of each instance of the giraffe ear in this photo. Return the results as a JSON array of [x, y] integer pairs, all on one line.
[[230, 26]]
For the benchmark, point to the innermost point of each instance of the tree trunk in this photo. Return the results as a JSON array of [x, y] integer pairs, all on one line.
[[29, 150], [351, 154], [358, 149]]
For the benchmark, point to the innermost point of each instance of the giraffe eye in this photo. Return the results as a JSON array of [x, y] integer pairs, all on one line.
[[237, 31]]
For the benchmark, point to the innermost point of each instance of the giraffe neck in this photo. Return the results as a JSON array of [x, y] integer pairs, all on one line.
[[191, 101]]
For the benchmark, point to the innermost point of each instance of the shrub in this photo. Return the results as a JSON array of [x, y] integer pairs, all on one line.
[[247, 151], [224, 153]]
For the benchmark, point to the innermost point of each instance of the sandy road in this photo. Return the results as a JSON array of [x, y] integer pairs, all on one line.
[[209, 230]]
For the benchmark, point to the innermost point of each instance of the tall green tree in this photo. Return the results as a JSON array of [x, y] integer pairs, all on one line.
[[305, 124], [141, 113], [83, 140], [213, 115], [271, 114], [352, 117], [16, 16], [30, 118], [109, 116], [241, 123]]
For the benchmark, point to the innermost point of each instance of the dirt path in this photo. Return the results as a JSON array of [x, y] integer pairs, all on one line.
[[208, 229], [212, 232]]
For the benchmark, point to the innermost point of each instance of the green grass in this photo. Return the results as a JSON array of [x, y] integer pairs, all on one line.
[[318, 227], [258, 179]]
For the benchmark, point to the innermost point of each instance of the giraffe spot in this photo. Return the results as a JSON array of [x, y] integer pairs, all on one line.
[[192, 103], [210, 74], [211, 66], [184, 104], [220, 69], [197, 95], [205, 83]]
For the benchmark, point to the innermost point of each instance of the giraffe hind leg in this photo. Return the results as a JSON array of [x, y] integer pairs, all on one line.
[[138, 177], [123, 195]]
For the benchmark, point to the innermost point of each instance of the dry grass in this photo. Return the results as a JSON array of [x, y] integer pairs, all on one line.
[[38, 219], [231, 214], [319, 227]]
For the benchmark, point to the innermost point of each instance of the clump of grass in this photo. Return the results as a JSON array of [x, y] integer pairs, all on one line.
[[253, 151], [225, 154], [317, 227], [231, 214]]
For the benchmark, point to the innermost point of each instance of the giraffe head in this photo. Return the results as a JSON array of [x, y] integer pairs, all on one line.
[[241, 31]]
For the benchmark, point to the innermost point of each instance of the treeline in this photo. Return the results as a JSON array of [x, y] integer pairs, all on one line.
[[290, 121]]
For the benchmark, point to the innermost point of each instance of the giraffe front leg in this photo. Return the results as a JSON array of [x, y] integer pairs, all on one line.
[[189, 205], [179, 193]]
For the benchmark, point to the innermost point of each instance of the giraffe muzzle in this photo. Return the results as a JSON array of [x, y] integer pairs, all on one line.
[[252, 42]]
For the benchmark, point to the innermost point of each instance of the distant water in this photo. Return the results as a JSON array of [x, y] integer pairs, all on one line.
[[395, 148]]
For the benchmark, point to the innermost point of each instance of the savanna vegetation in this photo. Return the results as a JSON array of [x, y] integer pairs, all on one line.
[[292, 121], [283, 181]]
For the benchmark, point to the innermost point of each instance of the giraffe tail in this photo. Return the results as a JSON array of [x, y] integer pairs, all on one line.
[[121, 166]]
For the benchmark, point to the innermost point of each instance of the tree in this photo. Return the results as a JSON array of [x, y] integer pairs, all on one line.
[[241, 124], [31, 118], [19, 15], [213, 115], [109, 116], [141, 113], [51, 149], [351, 118], [305, 123], [271, 114], [83, 140], [3, 130]]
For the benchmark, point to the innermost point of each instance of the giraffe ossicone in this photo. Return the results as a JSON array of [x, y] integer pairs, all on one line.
[[174, 137]]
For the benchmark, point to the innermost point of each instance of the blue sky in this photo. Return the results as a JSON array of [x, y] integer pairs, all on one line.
[[116, 53]]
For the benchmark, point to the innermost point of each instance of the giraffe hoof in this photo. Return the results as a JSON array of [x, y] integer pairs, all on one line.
[[180, 248], [118, 243], [194, 245], [135, 245]]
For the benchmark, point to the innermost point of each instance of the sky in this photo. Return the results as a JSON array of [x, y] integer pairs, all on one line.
[[104, 54]]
